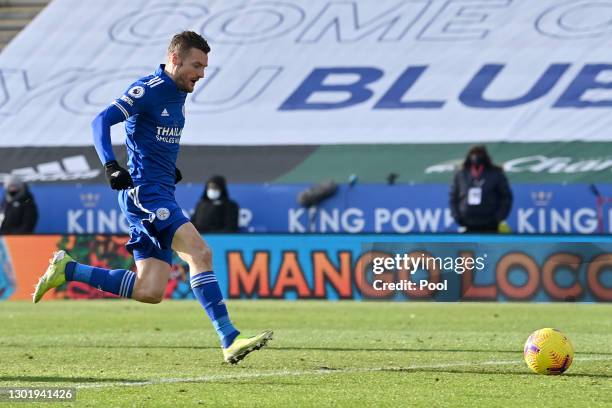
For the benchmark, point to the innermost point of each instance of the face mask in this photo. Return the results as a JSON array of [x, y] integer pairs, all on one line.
[[477, 160], [13, 193], [213, 194]]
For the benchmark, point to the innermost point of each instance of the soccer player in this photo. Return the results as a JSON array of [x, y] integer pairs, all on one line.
[[154, 111]]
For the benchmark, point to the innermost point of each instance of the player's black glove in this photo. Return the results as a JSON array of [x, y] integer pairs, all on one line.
[[117, 176], [178, 176]]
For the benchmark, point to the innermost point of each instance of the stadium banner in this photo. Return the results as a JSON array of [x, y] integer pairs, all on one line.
[[379, 267], [323, 71], [361, 208]]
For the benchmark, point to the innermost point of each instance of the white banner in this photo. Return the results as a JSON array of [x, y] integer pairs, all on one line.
[[323, 71]]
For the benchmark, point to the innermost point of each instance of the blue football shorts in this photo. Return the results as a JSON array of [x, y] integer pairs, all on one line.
[[154, 216]]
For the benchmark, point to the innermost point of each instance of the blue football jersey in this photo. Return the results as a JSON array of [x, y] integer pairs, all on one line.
[[154, 110]]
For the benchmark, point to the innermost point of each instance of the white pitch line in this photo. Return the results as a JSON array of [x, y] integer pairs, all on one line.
[[296, 373]]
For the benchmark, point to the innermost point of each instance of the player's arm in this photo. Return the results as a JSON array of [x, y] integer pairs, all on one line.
[[117, 176], [101, 132], [118, 111]]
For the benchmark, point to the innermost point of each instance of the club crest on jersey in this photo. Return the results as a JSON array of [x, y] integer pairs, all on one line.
[[136, 91], [162, 213]]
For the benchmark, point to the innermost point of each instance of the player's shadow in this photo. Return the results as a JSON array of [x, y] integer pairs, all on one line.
[[66, 380]]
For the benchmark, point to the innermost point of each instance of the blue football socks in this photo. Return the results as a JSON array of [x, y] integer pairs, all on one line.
[[117, 281], [206, 289]]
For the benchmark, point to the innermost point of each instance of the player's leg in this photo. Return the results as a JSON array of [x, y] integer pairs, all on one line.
[[153, 259], [192, 249], [190, 246], [151, 281], [147, 285], [62, 268]]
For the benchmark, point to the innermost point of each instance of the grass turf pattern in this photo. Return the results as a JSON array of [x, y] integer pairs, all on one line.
[[121, 353]]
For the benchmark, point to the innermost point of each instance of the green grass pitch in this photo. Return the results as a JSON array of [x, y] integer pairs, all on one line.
[[120, 353]]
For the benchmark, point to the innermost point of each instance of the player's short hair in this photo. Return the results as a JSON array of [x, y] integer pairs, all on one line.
[[183, 42]]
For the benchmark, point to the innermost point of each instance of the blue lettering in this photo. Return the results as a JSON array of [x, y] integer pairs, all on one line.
[[472, 95], [392, 99], [356, 92], [584, 81]]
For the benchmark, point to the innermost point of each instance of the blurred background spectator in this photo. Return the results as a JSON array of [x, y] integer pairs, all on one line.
[[480, 197], [18, 213], [215, 212]]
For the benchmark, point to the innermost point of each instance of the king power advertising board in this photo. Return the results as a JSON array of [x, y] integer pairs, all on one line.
[[362, 208], [323, 71]]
